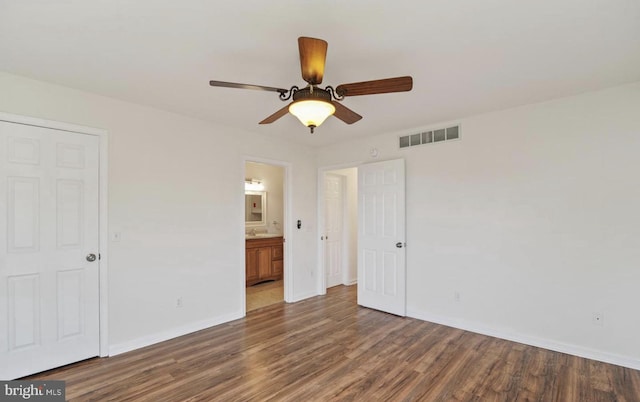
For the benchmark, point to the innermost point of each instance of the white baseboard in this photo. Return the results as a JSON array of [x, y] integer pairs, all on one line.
[[297, 298], [561, 347], [170, 334]]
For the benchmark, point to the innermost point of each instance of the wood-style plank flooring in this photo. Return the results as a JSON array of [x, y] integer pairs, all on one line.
[[329, 349]]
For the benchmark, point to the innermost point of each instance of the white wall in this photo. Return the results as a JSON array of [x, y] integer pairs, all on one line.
[[176, 195], [533, 217]]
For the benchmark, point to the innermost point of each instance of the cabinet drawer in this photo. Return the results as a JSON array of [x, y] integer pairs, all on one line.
[[276, 252]]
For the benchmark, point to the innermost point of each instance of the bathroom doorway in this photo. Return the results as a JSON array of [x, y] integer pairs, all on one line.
[[265, 223]]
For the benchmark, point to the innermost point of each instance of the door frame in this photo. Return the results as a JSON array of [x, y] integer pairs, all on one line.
[[103, 234], [286, 215], [321, 280]]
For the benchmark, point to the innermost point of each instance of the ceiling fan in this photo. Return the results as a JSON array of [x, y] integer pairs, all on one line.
[[312, 104]]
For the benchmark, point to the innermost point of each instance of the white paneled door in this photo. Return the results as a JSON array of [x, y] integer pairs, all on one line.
[[49, 301], [333, 193], [381, 236]]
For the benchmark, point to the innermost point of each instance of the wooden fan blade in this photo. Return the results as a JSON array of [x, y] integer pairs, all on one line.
[[397, 84], [276, 115], [245, 86], [313, 53], [345, 114]]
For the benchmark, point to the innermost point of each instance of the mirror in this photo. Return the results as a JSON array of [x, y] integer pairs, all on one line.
[[255, 206]]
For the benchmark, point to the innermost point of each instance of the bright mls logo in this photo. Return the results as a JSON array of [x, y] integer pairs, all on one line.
[[43, 391]]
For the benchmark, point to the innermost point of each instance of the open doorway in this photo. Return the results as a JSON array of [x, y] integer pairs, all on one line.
[[339, 227], [264, 234], [372, 248]]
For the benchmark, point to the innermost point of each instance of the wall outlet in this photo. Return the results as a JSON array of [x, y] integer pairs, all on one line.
[[456, 296], [598, 318], [179, 302]]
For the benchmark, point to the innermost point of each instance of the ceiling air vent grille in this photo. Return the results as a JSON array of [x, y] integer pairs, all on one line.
[[430, 137]]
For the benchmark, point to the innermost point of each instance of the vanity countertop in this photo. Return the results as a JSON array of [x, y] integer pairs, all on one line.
[[261, 236]]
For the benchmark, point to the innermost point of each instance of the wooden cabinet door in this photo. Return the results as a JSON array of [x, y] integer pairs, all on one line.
[[264, 262], [277, 262], [277, 252], [276, 267], [251, 262]]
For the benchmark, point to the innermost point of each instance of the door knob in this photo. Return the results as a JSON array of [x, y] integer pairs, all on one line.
[[91, 257], [399, 244]]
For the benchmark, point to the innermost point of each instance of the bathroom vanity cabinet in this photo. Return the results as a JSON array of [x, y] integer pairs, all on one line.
[[264, 259]]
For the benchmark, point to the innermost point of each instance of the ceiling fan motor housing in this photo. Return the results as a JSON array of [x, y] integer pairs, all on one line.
[[312, 93]]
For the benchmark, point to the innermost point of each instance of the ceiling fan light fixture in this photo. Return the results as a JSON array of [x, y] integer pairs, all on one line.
[[312, 112], [312, 104]]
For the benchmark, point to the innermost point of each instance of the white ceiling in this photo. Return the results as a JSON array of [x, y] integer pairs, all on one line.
[[465, 56]]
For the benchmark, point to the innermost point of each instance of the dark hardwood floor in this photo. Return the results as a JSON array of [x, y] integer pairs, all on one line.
[[329, 349]]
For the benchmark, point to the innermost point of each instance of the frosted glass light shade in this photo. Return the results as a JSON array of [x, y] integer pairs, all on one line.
[[311, 113]]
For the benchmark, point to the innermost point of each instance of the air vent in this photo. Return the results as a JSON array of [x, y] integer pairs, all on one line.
[[430, 137]]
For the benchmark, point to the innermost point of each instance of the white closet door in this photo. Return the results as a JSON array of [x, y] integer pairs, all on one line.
[[49, 299], [334, 204]]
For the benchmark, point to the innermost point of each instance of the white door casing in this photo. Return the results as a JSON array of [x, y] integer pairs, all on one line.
[[49, 218], [381, 236], [334, 212]]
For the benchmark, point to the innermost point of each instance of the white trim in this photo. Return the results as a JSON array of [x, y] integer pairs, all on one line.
[[242, 284], [303, 296], [103, 206], [287, 213], [549, 344], [56, 125], [321, 280], [103, 190], [171, 334]]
